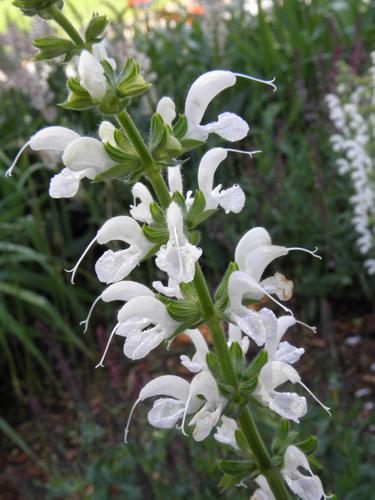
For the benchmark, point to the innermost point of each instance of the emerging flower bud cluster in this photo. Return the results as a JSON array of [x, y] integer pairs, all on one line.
[[351, 110]]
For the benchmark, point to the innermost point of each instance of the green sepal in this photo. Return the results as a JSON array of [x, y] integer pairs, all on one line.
[[95, 28], [156, 234], [196, 209], [314, 462], [119, 155], [188, 292], [227, 480], [77, 103], [127, 171], [189, 144], [308, 446], [234, 467], [37, 7], [131, 83], [281, 436], [179, 199], [243, 444], [75, 87], [194, 237], [123, 141], [180, 127], [238, 358], [213, 365], [252, 371], [184, 311], [221, 294], [157, 214], [158, 133], [205, 215], [53, 46]]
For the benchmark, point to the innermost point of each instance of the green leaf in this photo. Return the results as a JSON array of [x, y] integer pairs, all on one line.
[[213, 365], [184, 311], [156, 234], [234, 468], [95, 28], [227, 480], [189, 144], [308, 445], [196, 209], [180, 127], [252, 371], [52, 46], [221, 294]]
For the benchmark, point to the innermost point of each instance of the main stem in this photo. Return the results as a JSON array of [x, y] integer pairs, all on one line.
[[66, 25], [245, 419]]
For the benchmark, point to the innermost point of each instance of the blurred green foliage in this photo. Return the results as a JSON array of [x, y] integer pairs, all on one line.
[[292, 189]]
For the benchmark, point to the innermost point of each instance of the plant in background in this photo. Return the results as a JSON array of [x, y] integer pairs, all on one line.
[[352, 111], [163, 226]]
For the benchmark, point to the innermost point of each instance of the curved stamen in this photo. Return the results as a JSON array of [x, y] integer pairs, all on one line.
[[184, 417], [259, 80], [326, 408], [86, 321], [107, 347], [241, 151], [312, 328], [126, 432], [9, 172], [74, 269], [311, 252], [286, 309]]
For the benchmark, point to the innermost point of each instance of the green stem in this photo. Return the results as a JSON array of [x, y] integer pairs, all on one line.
[[67, 26], [153, 171]]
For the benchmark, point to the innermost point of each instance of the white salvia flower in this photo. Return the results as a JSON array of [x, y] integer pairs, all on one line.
[[167, 110], [91, 74], [286, 404], [307, 487], [135, 319], [106, 133], [235, 335], [99, 51], [114, 266], [175, 179], [178, 257], [264, 491], [229, 126], [82, 157], [182, 400], [231, 199], [198, 362], [226, 432], [172, 289], [283, 351], [141, 212]]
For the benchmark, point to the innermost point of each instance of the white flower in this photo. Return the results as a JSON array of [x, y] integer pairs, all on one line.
[[264, 492], [282, 351], [82, 157], [135, 319], [198, 362], [141, 212], [226, 432], [114, 266], [231, 199], [167, 110], [235, 335], [175, 179], [307, 487], [172, 289], [91, 74], [178, 257], [182, 400]]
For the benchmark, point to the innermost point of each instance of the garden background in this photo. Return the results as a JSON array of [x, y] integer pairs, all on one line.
[[62, 421]]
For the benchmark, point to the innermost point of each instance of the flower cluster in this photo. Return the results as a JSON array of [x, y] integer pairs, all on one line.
[[351, 110], [163, 224]]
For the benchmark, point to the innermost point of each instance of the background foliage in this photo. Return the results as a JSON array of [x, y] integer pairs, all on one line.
[[292, 189]]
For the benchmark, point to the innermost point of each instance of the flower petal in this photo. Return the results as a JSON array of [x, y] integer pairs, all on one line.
[[251, 240], [84, 153], [288, 353], [232, 199], [64, 184], [167, 110], [125, 290], [115, 266], [92, 77], [140, 343], [288, 405], [166, 412], [257, 325], [166, 385], [279, 285], [229, 126], [53, 138]]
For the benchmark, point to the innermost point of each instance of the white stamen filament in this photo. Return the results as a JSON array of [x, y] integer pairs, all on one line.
[[241, 151], [126, 432], [312, 328], [86, 321], [311, 252], [259, 80], [9, 172], [107, 347], [184, 417], [326, 408], [74, 269]]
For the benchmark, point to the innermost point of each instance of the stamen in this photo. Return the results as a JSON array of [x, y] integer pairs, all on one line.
[[259, 80], [9, 172], [107, 347], [86, 321], [74, 269], [311, 252], [184, 417], [274, 300], [126, 432], [250, 153], [312, 328], [326, 408]]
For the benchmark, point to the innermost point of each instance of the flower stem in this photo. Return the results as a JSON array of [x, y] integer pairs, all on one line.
[[67, 26], [153, 171]]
